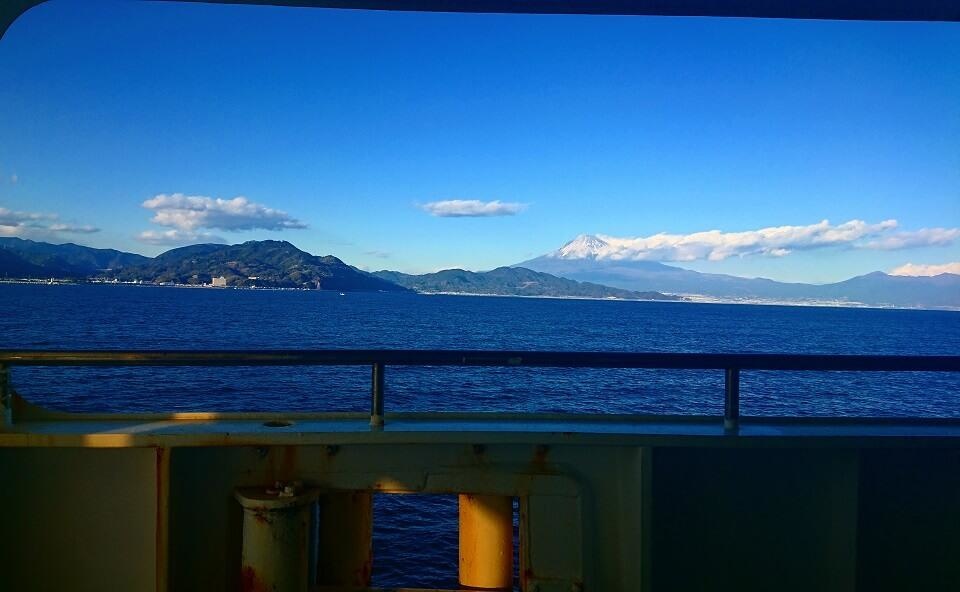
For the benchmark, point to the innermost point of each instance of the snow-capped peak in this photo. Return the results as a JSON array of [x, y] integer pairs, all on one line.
[[583, 247]]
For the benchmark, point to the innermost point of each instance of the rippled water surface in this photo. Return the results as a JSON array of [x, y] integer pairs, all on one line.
[[109, 317]]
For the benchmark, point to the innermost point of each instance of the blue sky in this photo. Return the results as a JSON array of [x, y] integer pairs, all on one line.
[[341, 128]]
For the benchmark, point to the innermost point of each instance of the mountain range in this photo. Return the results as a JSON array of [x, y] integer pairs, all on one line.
[[574, 270], [26, 258], [269, 264], [579, 259], [514, 281], [278, 264]]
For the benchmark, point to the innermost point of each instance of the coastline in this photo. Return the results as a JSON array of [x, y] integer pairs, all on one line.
[[680, 298], [701, 299]]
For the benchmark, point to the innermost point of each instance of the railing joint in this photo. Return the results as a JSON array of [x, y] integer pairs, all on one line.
[[731, 399], [376, 396]]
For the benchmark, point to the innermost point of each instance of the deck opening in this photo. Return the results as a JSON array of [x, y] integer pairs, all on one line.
[[416, 541]]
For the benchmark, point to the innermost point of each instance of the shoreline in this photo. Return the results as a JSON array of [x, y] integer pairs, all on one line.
[[701, 299], [681, 298]]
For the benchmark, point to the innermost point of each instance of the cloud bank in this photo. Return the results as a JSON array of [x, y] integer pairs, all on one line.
[[36, 225], [774, 241], [189, 212], [188, 218], [177, 237], [473, 208], [914, 269], [925, 237]]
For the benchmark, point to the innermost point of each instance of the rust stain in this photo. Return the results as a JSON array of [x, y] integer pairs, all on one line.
[[525, 577], [282, 468], [250, 581], [262, 516], [361, 575]]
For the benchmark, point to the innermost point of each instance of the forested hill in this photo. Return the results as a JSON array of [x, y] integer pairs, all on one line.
[[275, 264], [26, 258], [511, 281]]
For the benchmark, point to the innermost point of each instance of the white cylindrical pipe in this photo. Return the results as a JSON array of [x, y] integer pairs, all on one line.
[[277, 526]]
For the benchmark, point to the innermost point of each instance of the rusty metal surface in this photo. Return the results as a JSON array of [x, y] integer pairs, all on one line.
[[345, 542], [276, 538]]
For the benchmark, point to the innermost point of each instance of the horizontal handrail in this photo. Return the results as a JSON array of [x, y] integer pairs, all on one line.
[[540, 359], [731, 364]]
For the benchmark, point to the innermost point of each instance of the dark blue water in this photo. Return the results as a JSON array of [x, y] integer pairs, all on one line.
[[107, 317], [170, 318]]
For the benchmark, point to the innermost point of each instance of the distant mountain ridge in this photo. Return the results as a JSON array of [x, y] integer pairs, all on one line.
[[588, 258], [254, 263], [26, 258], [273, 264], [511, 281], [281, 264]]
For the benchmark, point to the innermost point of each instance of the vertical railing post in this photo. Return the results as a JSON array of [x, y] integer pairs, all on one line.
[[6, 397], [731, 399], [376, 396]]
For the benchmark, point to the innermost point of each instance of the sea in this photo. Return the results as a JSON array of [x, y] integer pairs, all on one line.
[[142, 317]]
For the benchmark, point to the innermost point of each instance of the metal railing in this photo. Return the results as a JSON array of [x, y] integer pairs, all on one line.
[[378, 360]]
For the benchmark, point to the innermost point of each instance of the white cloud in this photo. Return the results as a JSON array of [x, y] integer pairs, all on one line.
[[915, 269], [460, 208], [14, 178], [84, 229], [774, 241], [37, 225], [377, 254], [925, 237], [190, 212], [176, 237], [12, 218]]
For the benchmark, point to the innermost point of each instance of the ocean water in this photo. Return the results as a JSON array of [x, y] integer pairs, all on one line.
[[118, 317]]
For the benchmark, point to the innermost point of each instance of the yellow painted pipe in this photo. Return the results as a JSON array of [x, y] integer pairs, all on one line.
[[345, 546], [486, 541]]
